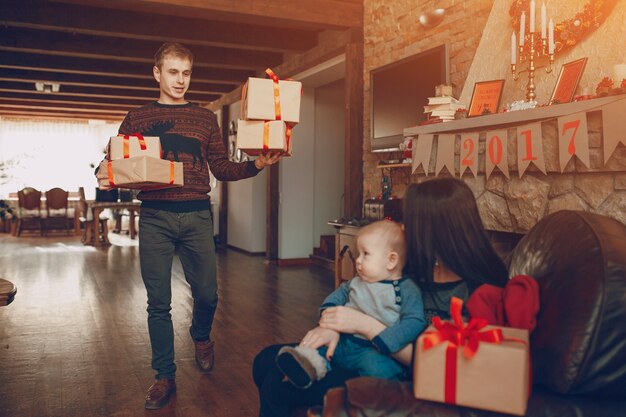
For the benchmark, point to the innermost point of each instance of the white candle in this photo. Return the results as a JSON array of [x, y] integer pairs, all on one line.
[[543, 21], [513, 49], [551, 37], [619, 73], [532, 16], [522, 28]]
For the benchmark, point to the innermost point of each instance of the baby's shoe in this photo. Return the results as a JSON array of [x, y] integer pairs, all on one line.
[[301, 365]]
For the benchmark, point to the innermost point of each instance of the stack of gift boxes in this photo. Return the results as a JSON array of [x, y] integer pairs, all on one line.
[[135, 162], [270, 108]]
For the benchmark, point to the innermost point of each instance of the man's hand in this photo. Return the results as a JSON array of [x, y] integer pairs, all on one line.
[[269, 158]]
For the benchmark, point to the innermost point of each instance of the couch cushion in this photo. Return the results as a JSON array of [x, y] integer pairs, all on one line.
[[579, 261]]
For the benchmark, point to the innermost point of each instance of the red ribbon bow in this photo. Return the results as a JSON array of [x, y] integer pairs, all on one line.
[[460, 334]]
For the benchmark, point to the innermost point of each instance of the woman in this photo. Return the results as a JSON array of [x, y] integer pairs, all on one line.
[[449, 254]]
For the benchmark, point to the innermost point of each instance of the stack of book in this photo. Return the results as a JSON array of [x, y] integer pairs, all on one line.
[[441, 109]]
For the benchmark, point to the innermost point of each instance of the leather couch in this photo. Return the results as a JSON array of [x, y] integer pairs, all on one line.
[[578, 347]]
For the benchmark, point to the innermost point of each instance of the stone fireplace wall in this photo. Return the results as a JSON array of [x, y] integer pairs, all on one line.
[[507, 205]]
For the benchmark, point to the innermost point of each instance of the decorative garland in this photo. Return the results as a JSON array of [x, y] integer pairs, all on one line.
[[571, 31]]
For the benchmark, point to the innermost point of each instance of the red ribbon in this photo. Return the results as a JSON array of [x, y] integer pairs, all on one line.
[[469, 336], [275, 80], [126, 144]]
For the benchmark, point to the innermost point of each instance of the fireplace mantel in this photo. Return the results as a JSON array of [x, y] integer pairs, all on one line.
[[512, 118], [515, 204]]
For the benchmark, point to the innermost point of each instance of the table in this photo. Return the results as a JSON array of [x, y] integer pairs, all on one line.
[[96, 208], [7, 292]]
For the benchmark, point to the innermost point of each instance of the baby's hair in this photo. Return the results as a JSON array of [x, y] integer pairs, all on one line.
[[172, 48], [390, 234]]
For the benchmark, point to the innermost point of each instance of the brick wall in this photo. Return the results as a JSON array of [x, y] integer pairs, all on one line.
[[392, 32]]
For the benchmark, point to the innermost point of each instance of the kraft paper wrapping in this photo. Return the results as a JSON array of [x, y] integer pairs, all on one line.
[[116, 147], [250, 136], [258, 100], [496, 378], [141, 173]]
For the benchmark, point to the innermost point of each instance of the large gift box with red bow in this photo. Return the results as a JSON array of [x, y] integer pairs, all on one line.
[[129, 146], [255, 137], [142, 172], [271, 99], [473, 364]]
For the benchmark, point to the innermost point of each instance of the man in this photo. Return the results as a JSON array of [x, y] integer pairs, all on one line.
[[179, 219]]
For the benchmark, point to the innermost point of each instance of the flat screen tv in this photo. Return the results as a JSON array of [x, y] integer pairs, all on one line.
[[399, 92]]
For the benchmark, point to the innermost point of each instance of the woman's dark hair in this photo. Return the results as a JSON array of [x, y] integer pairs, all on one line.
[[442, 223]]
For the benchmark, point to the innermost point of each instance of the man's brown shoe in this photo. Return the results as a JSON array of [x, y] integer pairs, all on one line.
[[205, 355], [159, 393]]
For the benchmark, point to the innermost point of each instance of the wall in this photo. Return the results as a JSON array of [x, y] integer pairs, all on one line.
[[246, 208], [392, 32], [494, 51], [310, 181], [479, 39], [329, 158]]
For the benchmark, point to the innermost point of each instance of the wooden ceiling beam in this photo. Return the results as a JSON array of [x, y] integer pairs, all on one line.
[[135, 100], [86, 104], [308, 14], [55, 115], [129, 50], [78, 19], [90, 81], [122, 70]]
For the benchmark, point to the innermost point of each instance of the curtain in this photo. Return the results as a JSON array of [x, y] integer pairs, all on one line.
[[47, 154]]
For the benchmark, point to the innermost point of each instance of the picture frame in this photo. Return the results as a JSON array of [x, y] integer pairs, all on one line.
[[485, 98], [567, 82]]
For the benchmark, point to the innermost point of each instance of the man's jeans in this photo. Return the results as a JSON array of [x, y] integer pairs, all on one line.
[[190, 235]]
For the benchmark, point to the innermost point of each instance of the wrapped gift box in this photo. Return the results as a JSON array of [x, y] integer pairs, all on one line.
[[143, 173], [496, 378], [255, 136], [258, 102], [129, 146]]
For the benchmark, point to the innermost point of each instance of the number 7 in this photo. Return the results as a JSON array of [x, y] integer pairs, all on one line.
[[574, 124]]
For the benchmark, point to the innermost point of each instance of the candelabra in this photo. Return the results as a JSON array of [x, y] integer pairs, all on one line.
[[532, 47]]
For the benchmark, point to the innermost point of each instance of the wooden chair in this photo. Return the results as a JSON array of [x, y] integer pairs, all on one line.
[[29, 209], [86, 220], [58, 215]]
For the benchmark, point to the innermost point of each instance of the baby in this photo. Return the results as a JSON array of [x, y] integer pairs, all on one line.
[[380, 291]]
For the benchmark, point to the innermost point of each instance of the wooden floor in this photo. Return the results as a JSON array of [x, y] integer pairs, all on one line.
[[74, 342]]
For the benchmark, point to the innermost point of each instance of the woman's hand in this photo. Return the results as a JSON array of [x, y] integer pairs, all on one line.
[[268, 158], [319, 337], [349, 320]]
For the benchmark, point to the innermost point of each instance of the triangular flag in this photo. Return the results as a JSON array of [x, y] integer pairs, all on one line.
[[530, 148], [496, 152], [573, 139], [469, 153], [613, 131], [445, 153], [422, 148]]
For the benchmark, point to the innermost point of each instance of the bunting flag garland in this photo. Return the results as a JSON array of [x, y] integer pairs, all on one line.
[[496, 154], [529, 148], [613, 127], [422, 148], [573, 139], [469, 153], [445, 153]]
